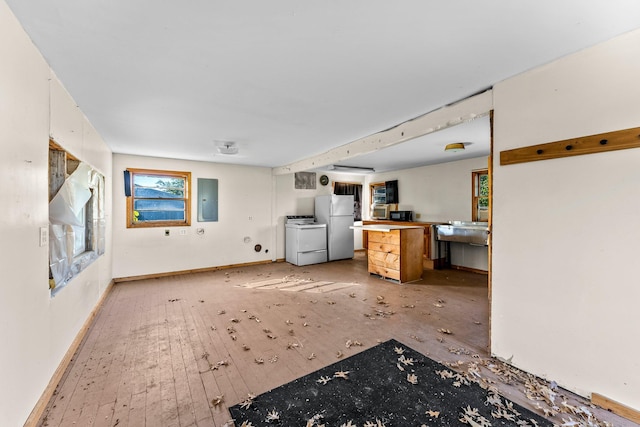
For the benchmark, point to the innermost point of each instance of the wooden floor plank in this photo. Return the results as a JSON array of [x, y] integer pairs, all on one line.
[[151, 356]]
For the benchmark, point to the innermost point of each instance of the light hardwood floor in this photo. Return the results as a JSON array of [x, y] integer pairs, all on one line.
[[152, 356]]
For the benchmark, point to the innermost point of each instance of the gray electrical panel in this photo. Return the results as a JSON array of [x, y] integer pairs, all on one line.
[[207, 199]]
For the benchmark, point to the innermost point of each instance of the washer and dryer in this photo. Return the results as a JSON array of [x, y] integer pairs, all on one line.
[[306, 240]]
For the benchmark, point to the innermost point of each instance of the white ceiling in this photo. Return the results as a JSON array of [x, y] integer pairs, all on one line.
[[289, 79]]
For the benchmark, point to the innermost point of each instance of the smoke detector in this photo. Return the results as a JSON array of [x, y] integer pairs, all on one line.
[[227, 148]]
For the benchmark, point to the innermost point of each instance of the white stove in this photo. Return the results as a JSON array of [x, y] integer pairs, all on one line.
[[306, 240]]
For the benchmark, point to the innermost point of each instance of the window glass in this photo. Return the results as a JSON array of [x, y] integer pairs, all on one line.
[[480, 200], [158, 198]]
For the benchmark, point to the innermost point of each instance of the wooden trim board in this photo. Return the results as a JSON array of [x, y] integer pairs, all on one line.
[[610, 141], [47, 394], [470, 269], [195, 270], [616, 407]]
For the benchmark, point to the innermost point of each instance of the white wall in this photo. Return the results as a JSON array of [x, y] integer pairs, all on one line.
[[440, 193], [36, 329], [566, 232], [243, 192]]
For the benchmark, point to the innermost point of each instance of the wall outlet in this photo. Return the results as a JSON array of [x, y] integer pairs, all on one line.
[[167, 232], [200, 231], [418, 216], [183, 232]]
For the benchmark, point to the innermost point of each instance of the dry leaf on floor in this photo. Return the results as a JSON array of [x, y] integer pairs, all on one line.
[[331, 302], [472, 417], [324, 380], [273, 416], [221, 312], [273, 337], [259, 360], [342, 374], [217, 400], [245, 404], [433, 414], [231, 329], [339, 354], [354, 343], [352, 295], [274, 359], [312, 356], [459, 351], [233, 337], [315, 421], [234, 320], [246, 347], [445, 331], [288, 322], [266, 331], [398, 350], [416, 338], [412, 378], [406, 361]]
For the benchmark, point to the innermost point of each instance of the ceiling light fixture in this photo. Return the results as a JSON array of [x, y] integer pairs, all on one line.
[[358, 169], [228, 148], [454, 147]]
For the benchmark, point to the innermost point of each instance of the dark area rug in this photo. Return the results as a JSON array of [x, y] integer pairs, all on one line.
[[387, 385]]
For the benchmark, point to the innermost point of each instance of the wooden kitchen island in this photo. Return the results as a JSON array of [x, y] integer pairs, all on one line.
[[395, 251]]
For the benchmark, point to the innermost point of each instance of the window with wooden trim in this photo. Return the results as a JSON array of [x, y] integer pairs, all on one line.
[[480, 195], [158, 198], [377, 193]]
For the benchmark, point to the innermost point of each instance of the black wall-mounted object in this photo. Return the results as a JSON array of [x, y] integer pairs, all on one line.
[[391, 190], [127, 183]]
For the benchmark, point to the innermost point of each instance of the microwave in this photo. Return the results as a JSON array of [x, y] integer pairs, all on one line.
[[401, 215], [379, 211]]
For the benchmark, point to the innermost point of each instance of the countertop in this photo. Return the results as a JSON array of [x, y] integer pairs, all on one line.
[[384, 227], [412, 223]]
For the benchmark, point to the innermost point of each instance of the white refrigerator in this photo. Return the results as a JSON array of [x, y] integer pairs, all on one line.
[[337, 213]]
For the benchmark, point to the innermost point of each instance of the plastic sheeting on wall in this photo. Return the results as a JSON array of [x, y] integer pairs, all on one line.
[[67, 221]]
